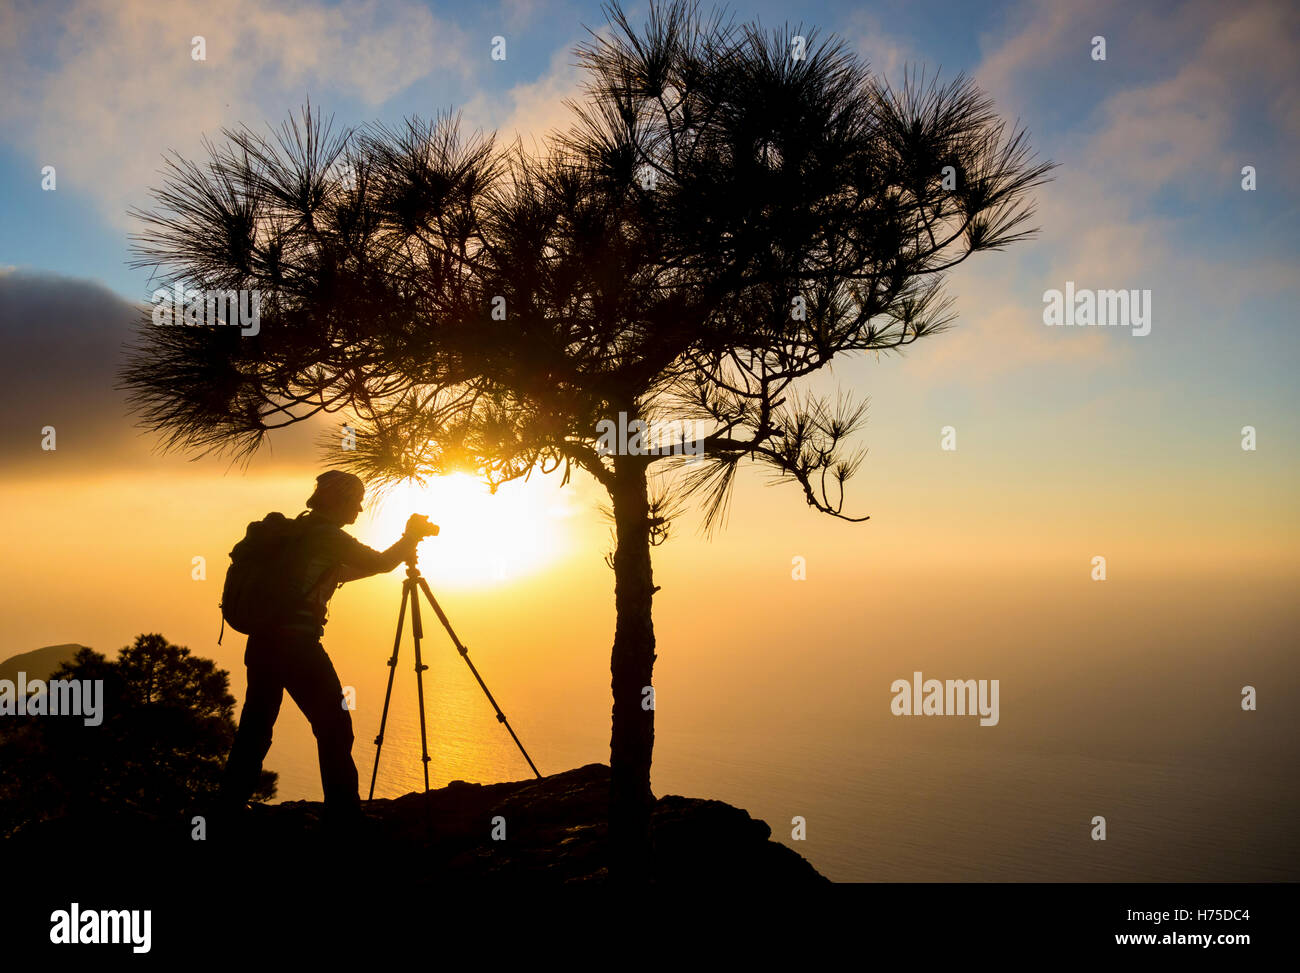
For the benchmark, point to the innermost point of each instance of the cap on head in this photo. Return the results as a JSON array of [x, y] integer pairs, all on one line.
[[334, 488]]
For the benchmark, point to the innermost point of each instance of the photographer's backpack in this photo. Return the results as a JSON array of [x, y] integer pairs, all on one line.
[[262, 578]]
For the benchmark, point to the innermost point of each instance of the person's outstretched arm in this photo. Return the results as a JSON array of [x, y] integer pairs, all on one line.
[[360, 561]]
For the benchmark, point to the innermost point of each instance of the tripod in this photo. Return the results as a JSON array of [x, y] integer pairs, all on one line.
[[411, 588]]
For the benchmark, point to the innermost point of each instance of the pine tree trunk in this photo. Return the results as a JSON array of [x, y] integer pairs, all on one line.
[[632, 665]]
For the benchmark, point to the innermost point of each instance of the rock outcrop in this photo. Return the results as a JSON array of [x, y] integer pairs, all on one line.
[[551, 831]]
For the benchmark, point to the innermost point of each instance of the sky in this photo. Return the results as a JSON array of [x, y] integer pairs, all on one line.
[[1071, 443]]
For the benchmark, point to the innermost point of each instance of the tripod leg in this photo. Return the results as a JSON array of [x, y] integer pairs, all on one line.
[[388, 694], [417, 630], [464, 654]]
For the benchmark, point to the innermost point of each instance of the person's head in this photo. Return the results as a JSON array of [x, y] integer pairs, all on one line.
[[338, 496]]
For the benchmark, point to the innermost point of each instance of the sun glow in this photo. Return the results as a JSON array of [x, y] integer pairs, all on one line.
[[484, 539]]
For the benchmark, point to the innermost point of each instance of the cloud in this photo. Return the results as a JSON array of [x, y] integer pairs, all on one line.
[[101, 89], [521, 13], [65, 341], [885, 53], [533, 109], [1184, 100], [1190, 124], [1190, 90], [1048, 34], [1000, 329], [1135, 201]]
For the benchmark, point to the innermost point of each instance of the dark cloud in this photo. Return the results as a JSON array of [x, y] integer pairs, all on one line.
[[64, 343]]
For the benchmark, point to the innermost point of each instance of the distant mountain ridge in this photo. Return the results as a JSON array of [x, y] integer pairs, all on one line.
[[40, 663]]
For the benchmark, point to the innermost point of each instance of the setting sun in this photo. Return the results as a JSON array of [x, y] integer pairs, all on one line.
[[484, 538]]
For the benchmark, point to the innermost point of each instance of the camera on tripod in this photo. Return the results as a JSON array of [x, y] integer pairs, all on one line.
[[418, 526]]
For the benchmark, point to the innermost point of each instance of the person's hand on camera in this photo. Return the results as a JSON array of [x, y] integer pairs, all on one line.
[[417, 529]]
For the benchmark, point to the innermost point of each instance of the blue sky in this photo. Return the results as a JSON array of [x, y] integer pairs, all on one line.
[[1033, 57], [71, 232]]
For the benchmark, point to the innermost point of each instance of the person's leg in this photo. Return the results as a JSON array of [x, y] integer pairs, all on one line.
[[314, 686], [256, 721]]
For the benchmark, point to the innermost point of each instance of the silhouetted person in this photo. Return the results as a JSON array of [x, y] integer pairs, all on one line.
[[290, 656]]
